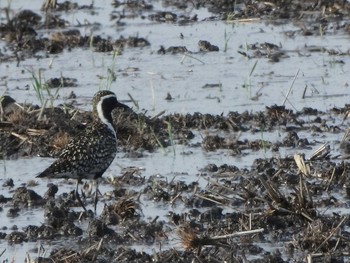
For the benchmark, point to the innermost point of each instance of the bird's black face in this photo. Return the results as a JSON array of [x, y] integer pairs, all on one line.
[[108, 103], [104, 102]]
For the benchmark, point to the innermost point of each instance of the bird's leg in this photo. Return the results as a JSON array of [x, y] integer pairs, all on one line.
[[77, 196], [96, 195]]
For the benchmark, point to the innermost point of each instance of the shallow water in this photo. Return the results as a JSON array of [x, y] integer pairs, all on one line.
[[148, 77], [156, 75]]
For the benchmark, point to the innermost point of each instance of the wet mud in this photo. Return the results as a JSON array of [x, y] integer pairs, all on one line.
[[279, 199], [204, 229]]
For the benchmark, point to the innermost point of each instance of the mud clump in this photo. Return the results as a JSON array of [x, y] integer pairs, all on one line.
[[26, 197], [206, 46]]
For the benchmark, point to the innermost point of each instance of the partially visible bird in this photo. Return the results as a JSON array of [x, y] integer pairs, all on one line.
[[88, 155]]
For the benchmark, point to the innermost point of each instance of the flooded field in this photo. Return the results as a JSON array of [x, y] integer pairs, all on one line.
[[218, 161]]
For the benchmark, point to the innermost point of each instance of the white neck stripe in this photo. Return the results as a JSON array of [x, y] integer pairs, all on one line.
[[102, 117]]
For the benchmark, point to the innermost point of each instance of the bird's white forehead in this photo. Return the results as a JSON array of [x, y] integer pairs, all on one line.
[[107, 96]]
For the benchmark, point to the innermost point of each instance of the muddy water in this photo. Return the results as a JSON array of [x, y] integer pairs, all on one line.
[[320, 81]]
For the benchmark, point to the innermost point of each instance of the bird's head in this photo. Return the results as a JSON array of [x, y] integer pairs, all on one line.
[[104, 102]]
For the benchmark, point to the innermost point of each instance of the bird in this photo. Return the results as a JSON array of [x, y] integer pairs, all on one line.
[[90, 153]]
